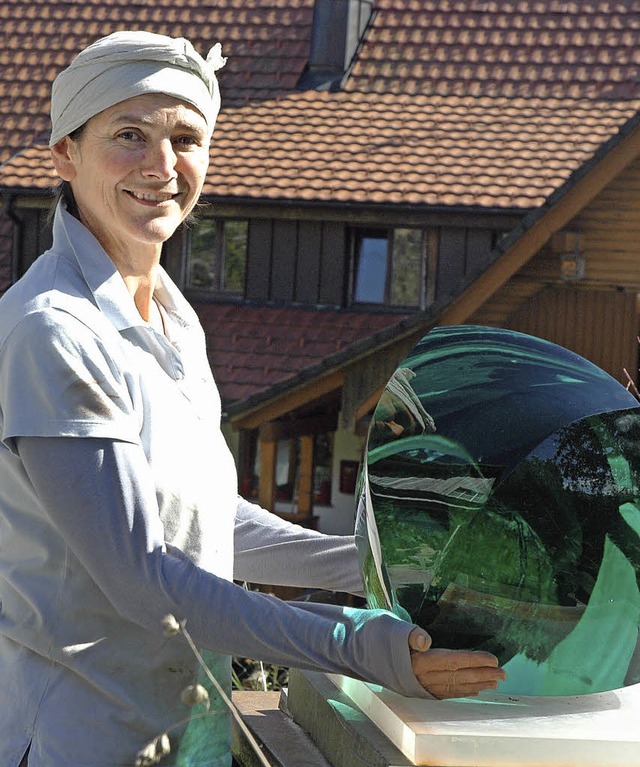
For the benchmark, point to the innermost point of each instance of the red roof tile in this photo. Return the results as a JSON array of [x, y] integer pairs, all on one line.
[[422, 150], [267, 42], [525, 48], [477, 103], [252, 349]]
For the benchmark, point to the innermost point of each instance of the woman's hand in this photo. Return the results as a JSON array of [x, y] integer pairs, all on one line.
[[452, 673]]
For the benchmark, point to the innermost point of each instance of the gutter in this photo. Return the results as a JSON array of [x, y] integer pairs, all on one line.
[[18, 235]]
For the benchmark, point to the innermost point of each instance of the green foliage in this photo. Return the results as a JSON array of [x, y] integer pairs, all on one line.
[[248, 674]]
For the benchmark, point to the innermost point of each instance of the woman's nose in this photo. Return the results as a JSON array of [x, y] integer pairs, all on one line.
[[160, 161]]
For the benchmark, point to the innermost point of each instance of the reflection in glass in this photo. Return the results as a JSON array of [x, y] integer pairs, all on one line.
[[201, 271], [406, 267], [234, 255], [217, 255], [499, 508]]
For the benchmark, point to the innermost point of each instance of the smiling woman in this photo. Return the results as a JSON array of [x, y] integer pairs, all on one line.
[[118, 494], [136, 172]]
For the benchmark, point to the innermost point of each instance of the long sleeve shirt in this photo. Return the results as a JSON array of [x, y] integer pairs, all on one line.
[[118, 505]]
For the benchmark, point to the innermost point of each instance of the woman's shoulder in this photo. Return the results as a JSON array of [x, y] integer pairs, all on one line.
[[51, 293]]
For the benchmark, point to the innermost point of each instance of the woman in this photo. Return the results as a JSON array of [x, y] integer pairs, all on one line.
[[118, 495]]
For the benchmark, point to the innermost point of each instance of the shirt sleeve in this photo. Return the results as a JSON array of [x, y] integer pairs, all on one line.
[[271, 550], [107, 513], [58, 379]]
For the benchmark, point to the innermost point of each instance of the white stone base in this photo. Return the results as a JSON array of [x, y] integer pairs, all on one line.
[[498, 730]]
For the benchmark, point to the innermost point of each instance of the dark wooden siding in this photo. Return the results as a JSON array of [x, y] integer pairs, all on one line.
[[452, 260], [461, 251], [296, 262], [307, 285], [306, 262], [479, 245], [333, 274], [284, 260], [258, 279]]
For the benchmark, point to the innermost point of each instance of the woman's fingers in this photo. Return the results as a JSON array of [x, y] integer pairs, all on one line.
[[455, 673], [419, 640], [440, 659], [443, 692]]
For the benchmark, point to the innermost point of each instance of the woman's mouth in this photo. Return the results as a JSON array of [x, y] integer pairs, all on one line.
[[152, 197]]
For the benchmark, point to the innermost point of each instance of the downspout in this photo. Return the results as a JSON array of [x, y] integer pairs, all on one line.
[[17, 235]]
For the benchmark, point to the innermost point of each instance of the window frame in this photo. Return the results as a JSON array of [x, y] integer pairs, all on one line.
[[358, 234], [218, 288]]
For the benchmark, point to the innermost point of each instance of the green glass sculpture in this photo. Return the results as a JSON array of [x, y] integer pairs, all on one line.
[[499, 508]]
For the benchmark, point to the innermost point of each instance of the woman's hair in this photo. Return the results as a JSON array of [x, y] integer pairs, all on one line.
[[63, 192]]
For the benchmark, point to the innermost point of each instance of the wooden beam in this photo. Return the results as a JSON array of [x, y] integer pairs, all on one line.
[[532, 240], [299, 427], [267, 481], [272, 431], [291, 401], [369, 403]]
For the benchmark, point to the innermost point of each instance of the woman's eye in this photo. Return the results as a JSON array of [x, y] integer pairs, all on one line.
[[187, 141], [129, 135]]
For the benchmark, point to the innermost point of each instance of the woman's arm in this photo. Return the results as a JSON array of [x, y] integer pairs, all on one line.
[[99, 496], [270, 550]]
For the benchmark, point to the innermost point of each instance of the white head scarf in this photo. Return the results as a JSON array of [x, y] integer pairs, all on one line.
[[127, 64]]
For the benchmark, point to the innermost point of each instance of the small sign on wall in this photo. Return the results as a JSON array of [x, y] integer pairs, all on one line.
[[348, 476]]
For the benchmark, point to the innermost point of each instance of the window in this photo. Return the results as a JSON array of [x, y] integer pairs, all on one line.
[[288, 467], [217, 256], [371, 267], [389, 266]]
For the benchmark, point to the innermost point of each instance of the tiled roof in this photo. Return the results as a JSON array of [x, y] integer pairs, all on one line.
[[420, 150], [398, 149], [540, 48], [267, 42], [491, 104], [477, 102], [254, 349], [29, 169]]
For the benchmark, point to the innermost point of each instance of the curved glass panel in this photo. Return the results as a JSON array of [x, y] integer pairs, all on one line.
[[499, 508]]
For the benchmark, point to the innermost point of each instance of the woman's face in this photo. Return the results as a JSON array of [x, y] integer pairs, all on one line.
[[136, 171]]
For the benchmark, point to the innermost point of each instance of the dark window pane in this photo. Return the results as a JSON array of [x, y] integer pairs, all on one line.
[[371, 269]]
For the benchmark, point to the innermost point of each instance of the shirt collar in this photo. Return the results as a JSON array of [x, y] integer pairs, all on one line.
[[105, 281]]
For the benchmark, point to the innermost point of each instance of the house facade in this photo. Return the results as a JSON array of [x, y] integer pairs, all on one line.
[[378, 168]]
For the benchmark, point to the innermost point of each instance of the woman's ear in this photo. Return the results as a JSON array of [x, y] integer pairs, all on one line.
[[62, 159]]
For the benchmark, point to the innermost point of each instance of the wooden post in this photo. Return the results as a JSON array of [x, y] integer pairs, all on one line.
[[305, 476], [267, 482]]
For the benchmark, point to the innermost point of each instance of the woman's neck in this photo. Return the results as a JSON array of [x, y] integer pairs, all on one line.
[[141, 288]]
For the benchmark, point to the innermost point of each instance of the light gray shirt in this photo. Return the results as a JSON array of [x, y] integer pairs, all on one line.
[[118, 505]]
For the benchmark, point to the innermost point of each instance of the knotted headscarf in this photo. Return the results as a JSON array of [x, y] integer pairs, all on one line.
[[127, 64]]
